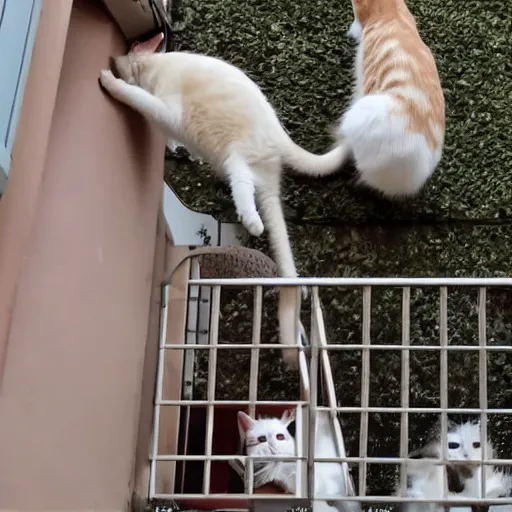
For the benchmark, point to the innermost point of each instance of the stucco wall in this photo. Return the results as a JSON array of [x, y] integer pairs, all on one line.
[[70, 398], [18, 204]]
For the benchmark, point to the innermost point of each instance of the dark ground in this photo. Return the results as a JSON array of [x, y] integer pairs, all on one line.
[[461, 225]]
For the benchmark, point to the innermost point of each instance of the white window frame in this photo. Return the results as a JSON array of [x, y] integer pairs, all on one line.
[[19, 20]]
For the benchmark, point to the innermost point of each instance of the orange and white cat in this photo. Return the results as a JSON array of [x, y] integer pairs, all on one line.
[[219, 114], [395, 125]]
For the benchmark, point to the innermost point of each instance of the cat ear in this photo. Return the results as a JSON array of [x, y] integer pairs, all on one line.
[[288, 417], [450, 425], [245, 423]]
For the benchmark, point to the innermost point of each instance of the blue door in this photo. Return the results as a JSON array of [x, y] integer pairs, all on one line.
[[18, 24]]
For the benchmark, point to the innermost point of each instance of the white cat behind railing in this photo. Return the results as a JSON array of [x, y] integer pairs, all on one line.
[[426, 479], [270, 436], [464, 442]]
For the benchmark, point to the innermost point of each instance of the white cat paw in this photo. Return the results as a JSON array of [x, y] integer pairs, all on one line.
[[291, 358], [107, 79], [253, 223]]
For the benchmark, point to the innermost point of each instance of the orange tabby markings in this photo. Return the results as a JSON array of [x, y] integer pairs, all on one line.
[[394, 128], [392, 43]]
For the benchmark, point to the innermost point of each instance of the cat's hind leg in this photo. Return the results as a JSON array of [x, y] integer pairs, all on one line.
[[166, 116], [241, 179], [270, 206]]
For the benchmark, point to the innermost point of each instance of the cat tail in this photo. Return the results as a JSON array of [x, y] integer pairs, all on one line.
[[289, 296], [289, 306], [304, 162]]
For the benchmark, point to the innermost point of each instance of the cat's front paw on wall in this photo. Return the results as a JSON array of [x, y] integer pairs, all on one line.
[[107, 79]]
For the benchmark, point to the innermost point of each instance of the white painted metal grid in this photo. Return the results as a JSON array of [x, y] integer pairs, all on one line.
[[319, 353]]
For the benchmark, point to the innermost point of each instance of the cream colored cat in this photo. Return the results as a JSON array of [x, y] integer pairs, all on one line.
[[218, 113], [395, 127]]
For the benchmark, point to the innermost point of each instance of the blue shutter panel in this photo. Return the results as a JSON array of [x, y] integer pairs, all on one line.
[[18, 24]]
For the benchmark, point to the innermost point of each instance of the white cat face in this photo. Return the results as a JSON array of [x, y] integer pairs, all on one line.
[[464, 442], [267, 436]]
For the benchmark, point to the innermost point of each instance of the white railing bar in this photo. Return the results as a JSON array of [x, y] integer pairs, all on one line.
[[405, 499], [249, 477], [352, 460], [405, 384], [331, 396], [397, 460], [449, 348], [159, 387], [365, 388], [297, 325], [253, 376], [421, 410], [192, 320], [443, 377], [482, 378], [340, 445], [360, 499], [316, 313], [357, 281], [299, 443], [224, 496], [352, 346], [203, 310], [255, 352], [303, 364], [291, 403], [192, 333], [212, 374], [324, 355], [268, 458]]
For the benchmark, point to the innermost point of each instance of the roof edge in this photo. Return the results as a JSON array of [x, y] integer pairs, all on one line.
[[134, 17]]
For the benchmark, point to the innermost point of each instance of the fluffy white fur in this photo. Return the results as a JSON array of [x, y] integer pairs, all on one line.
[[261, 438], [389, 157], [427, 479], [220, 115], [464, 442]]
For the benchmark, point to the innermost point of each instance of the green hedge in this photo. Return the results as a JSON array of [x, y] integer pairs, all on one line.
[[298, 52]]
